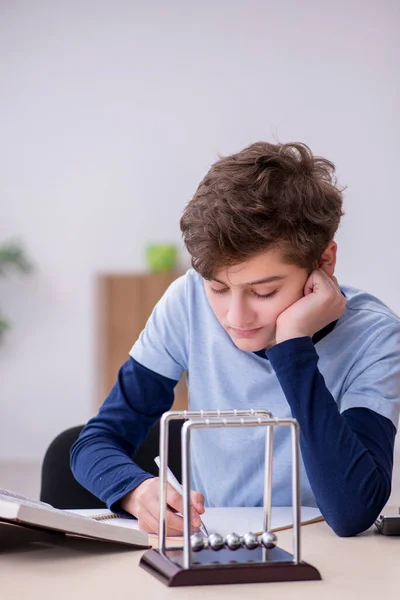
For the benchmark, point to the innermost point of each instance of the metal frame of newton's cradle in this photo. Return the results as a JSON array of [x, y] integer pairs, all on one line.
[[181, 566]]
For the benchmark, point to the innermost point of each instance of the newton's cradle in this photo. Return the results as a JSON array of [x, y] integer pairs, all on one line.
[[250, 558]]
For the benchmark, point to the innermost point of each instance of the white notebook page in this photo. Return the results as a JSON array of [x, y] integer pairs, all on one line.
[[227, 520]]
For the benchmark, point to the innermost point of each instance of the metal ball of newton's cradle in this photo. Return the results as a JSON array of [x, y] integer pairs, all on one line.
[[250, 540], [233, 541], [216, 541], [197, 542], [269, 539]]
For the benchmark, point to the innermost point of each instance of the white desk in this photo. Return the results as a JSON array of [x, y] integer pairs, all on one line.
[[364, 567]]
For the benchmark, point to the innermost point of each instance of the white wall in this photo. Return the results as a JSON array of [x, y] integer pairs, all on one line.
[[110, 115]]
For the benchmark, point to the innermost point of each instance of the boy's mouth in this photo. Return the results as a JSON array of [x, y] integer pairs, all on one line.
[[244, 332]]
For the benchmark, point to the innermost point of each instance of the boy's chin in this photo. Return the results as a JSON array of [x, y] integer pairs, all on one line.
[[248, 345]]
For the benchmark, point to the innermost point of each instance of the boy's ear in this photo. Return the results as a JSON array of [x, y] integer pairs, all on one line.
[[327, 261]]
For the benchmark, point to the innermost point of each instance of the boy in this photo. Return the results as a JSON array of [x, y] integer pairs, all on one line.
[[260, 321]]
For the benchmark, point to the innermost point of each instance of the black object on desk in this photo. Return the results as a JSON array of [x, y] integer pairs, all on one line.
[[388, 524]]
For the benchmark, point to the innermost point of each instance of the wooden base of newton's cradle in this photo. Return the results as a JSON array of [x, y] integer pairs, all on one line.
[[210, 567]]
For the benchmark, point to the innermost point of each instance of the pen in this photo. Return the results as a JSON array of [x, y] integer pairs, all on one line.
[[172, 480]]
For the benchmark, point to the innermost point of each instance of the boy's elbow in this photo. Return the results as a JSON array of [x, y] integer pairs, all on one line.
[[348, 525], [351, 528], [362, 514]]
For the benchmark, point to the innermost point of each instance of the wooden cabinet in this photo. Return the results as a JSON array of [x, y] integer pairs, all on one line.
[[125, 302]]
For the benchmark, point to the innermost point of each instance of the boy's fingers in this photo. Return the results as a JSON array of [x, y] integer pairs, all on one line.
[[149, 523], [309, 285], [152, 506], [174, 522], [197, 500], [175, 501], [337, 286], [194, 517]]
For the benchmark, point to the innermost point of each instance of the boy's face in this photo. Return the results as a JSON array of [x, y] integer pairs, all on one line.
[[248, 298]]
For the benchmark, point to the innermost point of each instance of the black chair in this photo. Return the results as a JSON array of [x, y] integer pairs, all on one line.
[[59, 487]]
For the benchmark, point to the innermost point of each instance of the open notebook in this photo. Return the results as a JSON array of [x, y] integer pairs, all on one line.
[[21, 510], [225, 520]]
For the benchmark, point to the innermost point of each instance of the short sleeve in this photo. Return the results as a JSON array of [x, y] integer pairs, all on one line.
[[162, 345], [374, 380]]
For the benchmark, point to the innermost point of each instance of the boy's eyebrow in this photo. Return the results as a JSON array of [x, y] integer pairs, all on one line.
[[258, 282]]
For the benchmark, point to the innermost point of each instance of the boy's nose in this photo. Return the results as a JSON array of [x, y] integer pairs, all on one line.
[[239, 316]]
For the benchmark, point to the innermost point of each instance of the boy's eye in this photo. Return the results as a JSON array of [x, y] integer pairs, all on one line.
[[222, 291], [262, 296]]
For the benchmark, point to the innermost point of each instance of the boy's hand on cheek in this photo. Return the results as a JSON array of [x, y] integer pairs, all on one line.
[[321, 304]]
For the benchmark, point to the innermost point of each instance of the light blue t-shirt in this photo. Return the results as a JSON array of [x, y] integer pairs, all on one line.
[[359, 360]]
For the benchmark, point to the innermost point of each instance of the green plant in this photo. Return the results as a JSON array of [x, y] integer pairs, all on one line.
[[12, 256], [161, 257]]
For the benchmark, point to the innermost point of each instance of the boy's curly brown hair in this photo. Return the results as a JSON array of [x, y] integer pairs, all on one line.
[[268, 196]]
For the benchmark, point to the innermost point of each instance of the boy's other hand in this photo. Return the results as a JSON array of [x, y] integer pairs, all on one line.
[[321, 304], [143, 503]]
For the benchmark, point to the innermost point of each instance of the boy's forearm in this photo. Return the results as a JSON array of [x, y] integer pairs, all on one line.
[[351, 481], [104, 469], [101, 458]]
